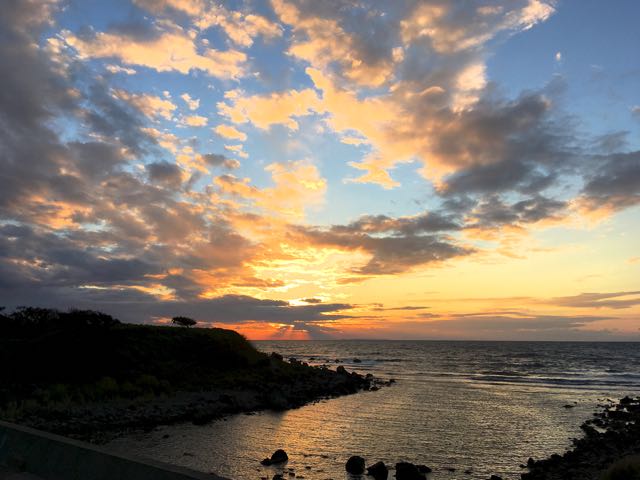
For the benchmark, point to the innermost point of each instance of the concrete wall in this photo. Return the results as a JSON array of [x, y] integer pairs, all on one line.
[[53, 457]]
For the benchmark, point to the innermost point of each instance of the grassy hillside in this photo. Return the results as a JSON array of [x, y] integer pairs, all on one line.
[[46, 355]]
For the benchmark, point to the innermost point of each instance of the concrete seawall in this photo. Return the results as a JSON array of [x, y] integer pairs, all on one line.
[[52, 457]]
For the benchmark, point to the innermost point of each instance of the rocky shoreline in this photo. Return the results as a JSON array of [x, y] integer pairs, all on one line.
[[101, 422], [608, 450]]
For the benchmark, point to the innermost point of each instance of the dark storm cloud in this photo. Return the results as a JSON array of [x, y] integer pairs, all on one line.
[[505, 146], [311, 300], [390, 254], [115, 119], [165, 173], [47, 259], [616, 300], [423, 223], [615, 183], [492, 212], [138, 307], [382, 308]]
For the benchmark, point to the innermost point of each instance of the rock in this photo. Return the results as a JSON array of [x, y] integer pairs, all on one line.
[[16, 462], [423, 469], [279, 456], [276, 356], [378, 471], [568, 405], [357, 360], [408, 471], [277, 476], [495, 477], [266, 462], [355, 465], [341, 370]]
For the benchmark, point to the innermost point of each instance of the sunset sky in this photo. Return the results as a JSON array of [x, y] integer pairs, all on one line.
[[326, 168]]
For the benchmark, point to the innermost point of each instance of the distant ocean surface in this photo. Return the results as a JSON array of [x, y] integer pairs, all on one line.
[[485, 406]]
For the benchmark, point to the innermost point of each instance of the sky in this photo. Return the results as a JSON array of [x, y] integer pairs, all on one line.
[[313, 169]]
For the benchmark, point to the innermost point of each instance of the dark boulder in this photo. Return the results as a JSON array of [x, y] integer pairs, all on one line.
[[279, 456], [408, 471], [357, 360], [266, 462], [423, 469], [355, 465], [378, 471], [342, 371]]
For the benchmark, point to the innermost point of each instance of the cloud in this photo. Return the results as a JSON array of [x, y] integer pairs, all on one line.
[[150, 105], [119, 69], [267, 110], [195, 121], [322, 41], [615, 300], [511, 326], [192, 103], [387, 254], [228, 131], [165, 173], [613, 185], [241, 28], [218, 160], [297, 187], [163, 51]]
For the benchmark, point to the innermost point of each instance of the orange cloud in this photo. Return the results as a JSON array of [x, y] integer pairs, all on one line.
[[169, 51], [195, 121], [266, 110], [150, 105], [322, 41], [228, 131]]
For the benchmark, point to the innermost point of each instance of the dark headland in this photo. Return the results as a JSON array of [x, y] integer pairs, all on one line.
[[86, 375]]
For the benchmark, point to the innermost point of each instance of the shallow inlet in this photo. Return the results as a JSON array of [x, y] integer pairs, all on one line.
[[484, 406]]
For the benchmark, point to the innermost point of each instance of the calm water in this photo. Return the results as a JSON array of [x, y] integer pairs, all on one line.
[[487, 406]]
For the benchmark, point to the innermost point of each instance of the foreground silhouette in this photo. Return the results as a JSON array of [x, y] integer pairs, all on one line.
[[87, 375]]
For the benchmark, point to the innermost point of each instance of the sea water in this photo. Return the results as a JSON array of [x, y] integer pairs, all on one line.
[[465, 409]]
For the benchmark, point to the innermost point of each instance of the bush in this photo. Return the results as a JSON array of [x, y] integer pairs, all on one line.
[[183, 321]]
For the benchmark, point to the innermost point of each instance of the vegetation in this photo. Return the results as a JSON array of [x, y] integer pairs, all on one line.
[[79, 356], [627, 468], [183, 321]]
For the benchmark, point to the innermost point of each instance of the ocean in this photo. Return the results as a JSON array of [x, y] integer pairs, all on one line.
[[465, 409]]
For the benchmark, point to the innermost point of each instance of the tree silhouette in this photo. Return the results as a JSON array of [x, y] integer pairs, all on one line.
[[183, 321]]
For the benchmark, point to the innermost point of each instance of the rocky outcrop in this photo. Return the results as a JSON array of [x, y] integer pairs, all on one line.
[[612, 434], [408, 471], [101, 422], [378, 471], [355, 465]]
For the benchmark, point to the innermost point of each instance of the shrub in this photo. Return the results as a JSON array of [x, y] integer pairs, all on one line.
[[183, 321]]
